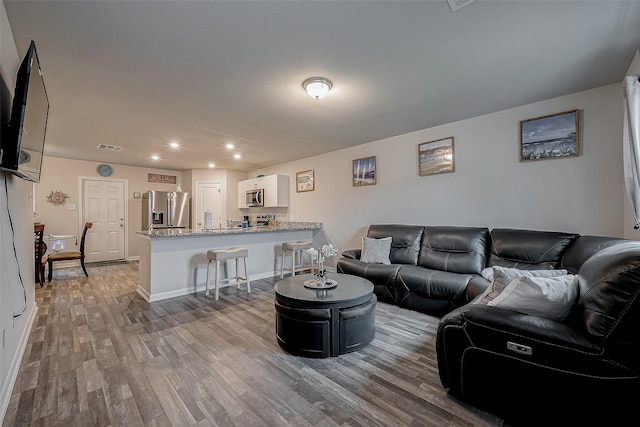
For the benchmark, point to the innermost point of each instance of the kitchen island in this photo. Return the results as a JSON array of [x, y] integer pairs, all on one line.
[[173, 262]]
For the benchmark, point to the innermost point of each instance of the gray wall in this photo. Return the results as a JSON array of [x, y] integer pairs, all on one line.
[[16, 268], [489, 187]]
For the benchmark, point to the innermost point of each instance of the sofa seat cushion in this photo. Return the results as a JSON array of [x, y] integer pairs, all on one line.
[[433, 284], [454, 249]]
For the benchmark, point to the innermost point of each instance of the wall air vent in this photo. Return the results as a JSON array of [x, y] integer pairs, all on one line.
[[457, 4], [110, 147]]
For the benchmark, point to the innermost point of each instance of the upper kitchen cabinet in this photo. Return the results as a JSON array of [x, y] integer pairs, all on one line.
[[275, 191], [243, 186]]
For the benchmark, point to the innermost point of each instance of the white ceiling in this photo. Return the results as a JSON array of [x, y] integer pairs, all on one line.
[[205, 73]]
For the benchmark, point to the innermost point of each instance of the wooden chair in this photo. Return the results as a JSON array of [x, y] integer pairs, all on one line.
[[70, 255], [39, 250]]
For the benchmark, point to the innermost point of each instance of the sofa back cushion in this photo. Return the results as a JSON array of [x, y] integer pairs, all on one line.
[[583, 248], [528, 249], [405, 241], [454, 249], [609, 284]]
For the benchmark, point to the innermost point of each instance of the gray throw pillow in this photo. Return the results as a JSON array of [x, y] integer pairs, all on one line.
[[376, 251], [548, 297], [500, 277]]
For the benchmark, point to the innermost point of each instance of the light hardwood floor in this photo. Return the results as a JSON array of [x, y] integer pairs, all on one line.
[[99, 355]]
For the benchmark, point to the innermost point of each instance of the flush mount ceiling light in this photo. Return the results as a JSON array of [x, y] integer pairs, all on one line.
[[317, 87]]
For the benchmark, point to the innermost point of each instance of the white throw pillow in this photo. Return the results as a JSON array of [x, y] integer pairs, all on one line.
[[500, 277], [549, 297], [376, 251]]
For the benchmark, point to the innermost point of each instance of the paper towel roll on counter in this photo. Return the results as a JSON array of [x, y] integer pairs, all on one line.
[[208, 220]]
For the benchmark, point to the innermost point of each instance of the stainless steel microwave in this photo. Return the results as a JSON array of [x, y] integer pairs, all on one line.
[[255, 198]]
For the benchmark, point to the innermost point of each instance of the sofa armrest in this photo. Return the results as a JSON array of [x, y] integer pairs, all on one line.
[[352, 253], [483, 323], [476, 286], [485, 353]]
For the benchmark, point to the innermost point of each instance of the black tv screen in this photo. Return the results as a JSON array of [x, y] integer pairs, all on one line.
[[23, 138]]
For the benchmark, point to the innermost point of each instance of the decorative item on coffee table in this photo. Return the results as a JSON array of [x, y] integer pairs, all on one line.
[[320, 280]]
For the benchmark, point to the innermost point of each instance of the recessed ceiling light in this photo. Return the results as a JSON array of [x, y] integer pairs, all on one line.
[[237, 156], [229, 146], [211, 165], [155, 157], [174, 145]]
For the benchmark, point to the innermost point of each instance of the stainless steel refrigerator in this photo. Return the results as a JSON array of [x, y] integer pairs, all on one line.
[[165, 209]]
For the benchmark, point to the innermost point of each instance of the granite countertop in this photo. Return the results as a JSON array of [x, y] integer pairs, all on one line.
[[184, 232]]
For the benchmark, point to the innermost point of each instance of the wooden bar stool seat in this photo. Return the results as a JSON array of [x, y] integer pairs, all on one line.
[[295, 248], [228, 254]]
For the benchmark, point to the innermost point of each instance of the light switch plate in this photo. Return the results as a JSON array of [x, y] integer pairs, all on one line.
[[71, 205]]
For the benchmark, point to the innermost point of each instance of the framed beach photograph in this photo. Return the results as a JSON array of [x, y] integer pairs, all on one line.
[[550, 137], [364, 171], [435, 157], [305, 181]]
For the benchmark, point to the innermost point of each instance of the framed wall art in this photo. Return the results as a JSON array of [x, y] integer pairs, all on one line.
[[164, 179], [550, 137], [435, 157], [364, 171], [305, 181]]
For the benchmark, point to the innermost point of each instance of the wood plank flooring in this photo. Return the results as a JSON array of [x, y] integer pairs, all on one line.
[[99, 355]]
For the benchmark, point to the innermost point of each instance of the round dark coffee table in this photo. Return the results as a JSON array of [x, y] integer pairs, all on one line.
[[322, 323]]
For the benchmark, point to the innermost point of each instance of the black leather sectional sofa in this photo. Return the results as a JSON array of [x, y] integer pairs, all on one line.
[[530, 370]]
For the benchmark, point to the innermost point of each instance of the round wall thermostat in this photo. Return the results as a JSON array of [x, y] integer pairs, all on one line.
[[104, 170]]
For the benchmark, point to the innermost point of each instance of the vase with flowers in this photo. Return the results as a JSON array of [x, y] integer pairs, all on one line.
[[326, 251]]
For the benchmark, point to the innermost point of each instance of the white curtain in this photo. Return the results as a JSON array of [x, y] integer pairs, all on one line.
[[631, 143]]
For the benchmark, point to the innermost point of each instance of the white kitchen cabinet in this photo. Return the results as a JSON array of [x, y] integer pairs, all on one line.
[[242, 191], [276, 190]]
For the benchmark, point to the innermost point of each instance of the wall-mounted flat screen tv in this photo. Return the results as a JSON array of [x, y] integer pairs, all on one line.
[[23, 138]]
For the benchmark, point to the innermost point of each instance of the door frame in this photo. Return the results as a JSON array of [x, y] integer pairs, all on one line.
[[125, 197]]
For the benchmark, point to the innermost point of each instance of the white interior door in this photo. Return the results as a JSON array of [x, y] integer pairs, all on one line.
[[209, 198], [103, 204]]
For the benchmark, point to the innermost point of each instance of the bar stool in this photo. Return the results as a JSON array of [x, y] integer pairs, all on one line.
[[227, 254], [294, 248]]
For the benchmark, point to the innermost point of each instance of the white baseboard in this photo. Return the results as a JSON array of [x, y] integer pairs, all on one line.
[[192, 290], [133, 258], [7, 387]]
